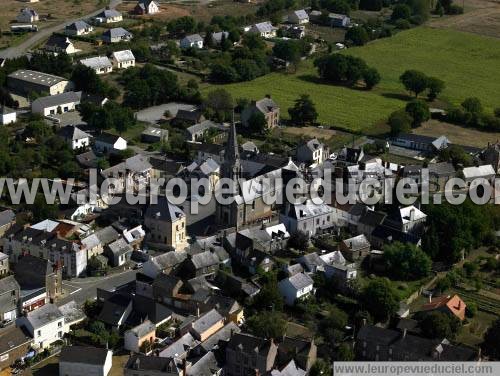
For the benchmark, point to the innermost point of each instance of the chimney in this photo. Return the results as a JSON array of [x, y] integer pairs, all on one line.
[[197, 310], [430, 298], [184, 367], [412, 214], [405, 330]]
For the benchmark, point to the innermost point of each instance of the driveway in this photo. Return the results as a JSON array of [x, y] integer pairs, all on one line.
[[21, 49], [154, 114]]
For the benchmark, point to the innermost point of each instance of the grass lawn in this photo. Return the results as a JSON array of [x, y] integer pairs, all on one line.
[[468, 64]]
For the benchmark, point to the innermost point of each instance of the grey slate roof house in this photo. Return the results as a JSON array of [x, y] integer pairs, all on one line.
[[154, 135], [9, 295], [57, 104], [78, 28], [85, 360], [141, 365], [246, 346], [299, 17], [108, 16], [116, 35], [59, 43], [7, 220], [100, 64], [118, 252], [265, 106], [191, 41], [264, 29]]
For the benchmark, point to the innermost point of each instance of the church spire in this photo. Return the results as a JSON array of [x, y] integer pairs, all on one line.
[[232, 152]]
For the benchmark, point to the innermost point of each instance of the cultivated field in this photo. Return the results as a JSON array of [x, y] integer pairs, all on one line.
[[456, 134], [481, 17], [54, 11]]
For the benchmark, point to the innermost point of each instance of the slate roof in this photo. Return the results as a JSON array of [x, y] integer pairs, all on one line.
[[6, 217], [194, 38], [206, 321], [120, 247], [300, 281], [97, 62], [218, 36], [125, 55], [180, 347], [156, 132], [203, 126], [263, 27], [249, 344], [266, 105], [87, 159], [44, 315], [72, 312], [301, 14], [480, 171], [372, 218], [107, 235], [117, 32], [356, 242], [71, 132], [169, 259], [141, 362], [204, 259], [107, 138], [8, 284], [58, 99], [58, 41], [224, 334], [164, 210], [83, 355], [78, 25], [11, 338], [113, 309], [207, 365], [109, 13], [143, 329]]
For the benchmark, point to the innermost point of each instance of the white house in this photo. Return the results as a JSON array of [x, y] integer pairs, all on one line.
[[75, 137], [85, 361], [312, 152], [58, 44], [299, 17], [108, 16], [118, 34], [7, 115], [109, 143], [264, 29], [78, 28], [27, 15], [194, 41], [123, 59], [45, 325], [298, 286], [56, 104], [100, 64], [134, 338], [339, 20], [308, 217], [147, 7]]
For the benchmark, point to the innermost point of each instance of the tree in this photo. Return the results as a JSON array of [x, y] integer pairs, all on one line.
[[303, 112], [288, 50], [472, 105], [419, 112], [344, 353], [406, 261], [400, 12], [371, 78], [223, 73], [257, 122], [456, 155], [439, 325], [491, 343], [320, 367], [399, 122], [219, 104], [374, 5], [380, 299], [267, 324], [357, 35], [414, 81], [340, 68], [298, 240], [435, 86]]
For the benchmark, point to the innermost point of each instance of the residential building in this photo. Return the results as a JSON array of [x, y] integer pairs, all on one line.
[[201, 264], [14, 345], [207, 169], [95, 243], [265, 106], [299, 17], [164, 263], [123, 59], [379, 344], [197, 132], [407, 219], [188, 117], [264, 29], [108, 16], [7, 220], [146, 7], [109, 143], [56, 104], [298, 286], [25, 82], [78, 28], [75, 137], [247, 355], [206, 325], [100, 64], [218, 36], [290, 369], [4, 264], [166, 224], [116, 310], [9, 298], [308, 217], [355, 248], [491, 155], [27, 15], [311, 262], [301, 351], [85, 361], [116, 35], [118, 252], [339, 20], [312, 152], [452, 305], [7, 115], [73, 315], [45, 325], [141, 365], [481, 172], [191, 41], [59, 44], [140, 339], [420, 143], [154, 135], [132, 175]]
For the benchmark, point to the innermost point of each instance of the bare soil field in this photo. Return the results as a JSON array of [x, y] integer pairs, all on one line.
[[50, 12], [481, 17], [456, 134]]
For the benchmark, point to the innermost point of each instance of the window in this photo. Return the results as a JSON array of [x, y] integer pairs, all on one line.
[[38, 333], [59, 324]]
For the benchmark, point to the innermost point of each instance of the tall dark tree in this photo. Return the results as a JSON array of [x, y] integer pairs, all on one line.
[[380, 299], [414, 81], [303, 112]]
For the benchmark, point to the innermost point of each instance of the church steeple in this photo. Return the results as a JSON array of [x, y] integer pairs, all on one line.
[[231, 167]]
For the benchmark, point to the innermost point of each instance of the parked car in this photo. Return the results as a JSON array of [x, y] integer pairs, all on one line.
[[138, 266], [5, 323]]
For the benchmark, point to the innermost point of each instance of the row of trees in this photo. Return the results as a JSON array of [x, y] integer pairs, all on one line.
[[471, 114], [417, 82]]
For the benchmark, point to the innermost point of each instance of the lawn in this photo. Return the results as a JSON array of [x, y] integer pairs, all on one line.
[[468, 63]]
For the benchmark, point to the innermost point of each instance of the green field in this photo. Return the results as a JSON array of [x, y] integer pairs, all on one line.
[[469, 64]]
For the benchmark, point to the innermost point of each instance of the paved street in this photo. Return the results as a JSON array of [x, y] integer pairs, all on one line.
[[82, 289], [22, 48]]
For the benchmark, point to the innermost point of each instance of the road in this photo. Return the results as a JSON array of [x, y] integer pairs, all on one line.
[[21, 49], [82, 289]]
